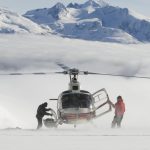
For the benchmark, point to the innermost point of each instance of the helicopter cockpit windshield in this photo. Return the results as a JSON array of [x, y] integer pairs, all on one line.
[[76, 100]]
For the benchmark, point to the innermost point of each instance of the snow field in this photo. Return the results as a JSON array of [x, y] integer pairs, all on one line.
[[21, 95]]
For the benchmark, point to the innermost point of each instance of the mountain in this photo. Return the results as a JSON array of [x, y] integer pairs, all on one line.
[[93, 20], [11, 22], [92, 3], [47, 16]]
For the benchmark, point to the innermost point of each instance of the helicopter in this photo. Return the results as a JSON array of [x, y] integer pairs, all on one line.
[[77, 106], [74, 105]]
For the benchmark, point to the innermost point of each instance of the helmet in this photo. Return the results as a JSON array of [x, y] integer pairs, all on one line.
[[119, 97], [45, 104]]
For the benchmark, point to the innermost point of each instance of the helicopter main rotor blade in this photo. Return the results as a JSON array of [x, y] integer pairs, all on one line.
[[34, 73], [64, 67], [118, 75], [63, 72]]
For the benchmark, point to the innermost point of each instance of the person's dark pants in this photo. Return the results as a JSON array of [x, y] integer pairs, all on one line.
[[117, 121], [39, 122]]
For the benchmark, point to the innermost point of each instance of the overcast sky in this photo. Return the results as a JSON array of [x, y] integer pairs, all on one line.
[[21, 6]]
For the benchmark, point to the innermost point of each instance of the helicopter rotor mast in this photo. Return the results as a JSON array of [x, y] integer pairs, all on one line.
[[67, 70], [73, 73]]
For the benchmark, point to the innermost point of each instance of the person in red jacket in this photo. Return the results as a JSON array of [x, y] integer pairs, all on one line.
[[119, 112]]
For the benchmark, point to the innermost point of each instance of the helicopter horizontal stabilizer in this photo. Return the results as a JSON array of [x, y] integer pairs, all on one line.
[[53, 99]]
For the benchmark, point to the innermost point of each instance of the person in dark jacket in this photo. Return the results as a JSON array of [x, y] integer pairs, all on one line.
[[41, 112], [119, 112]]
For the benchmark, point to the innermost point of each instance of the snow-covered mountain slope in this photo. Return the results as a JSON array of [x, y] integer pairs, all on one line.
[[93, 21], [11, 22]]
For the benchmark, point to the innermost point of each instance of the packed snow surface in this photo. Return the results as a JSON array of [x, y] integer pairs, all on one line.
[[81, 138]]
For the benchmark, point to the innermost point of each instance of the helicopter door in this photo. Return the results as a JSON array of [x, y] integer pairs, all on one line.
[[101, 102]]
